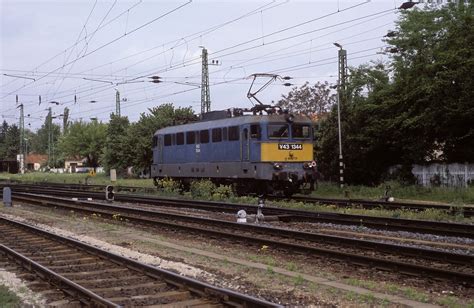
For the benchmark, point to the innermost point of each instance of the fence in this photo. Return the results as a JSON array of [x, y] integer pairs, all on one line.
[[451, 175]]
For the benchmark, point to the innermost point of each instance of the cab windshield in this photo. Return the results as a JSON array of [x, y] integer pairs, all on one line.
[[277, 131], [300, 131]]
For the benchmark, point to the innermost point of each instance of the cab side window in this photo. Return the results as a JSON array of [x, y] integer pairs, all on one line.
[[179, 138], [216, 135], [190, 137], [167, 140], [233, 133], [204, 136], [255, 131]]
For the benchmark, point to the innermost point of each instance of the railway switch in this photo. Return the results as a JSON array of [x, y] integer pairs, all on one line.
[[109, 193]]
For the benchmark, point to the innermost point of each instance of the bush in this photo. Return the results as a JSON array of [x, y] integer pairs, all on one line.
[[205, 189], [202, 189], [223, 192], [169, 186]]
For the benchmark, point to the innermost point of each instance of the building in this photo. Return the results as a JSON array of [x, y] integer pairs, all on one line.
[[71, 164], [34, 161]]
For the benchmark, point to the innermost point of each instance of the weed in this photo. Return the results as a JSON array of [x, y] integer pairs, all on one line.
[[8, 298], [449, 301], [291, 266], [298, 280], [362, 283], [270, 270], [351, 295], [414, 294], [269, 260]]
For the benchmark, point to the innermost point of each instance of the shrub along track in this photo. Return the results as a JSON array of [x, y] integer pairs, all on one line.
[[100, 278], [289, 215], [422, 262]]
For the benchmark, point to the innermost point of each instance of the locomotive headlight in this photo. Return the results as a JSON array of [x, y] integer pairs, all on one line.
[[277, 166]]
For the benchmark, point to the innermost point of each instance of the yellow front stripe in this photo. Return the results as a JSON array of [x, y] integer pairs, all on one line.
[[275, 151]]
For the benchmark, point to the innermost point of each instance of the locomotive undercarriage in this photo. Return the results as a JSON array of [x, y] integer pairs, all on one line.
[[243, 187], [245, 177]]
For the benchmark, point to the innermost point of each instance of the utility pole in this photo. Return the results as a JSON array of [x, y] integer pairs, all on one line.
[[22, 137], [341, 93], [65, 119], [117, 102], [205, 95], [342, 72], [50, 137]]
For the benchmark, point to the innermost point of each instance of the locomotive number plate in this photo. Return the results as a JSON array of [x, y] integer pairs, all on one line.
[[290, 146]]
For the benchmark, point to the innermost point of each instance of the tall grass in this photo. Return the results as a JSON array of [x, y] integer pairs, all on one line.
[[453, 195], [73, 178]]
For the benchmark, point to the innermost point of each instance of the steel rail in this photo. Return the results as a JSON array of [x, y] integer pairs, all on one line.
[[384, 223], [145, 216], [224, 296], [466, 211]]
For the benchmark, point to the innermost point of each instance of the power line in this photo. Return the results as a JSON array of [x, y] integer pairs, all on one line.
[[75, 44], [187, 38], [106, 44], [168, 69], [197, 60]]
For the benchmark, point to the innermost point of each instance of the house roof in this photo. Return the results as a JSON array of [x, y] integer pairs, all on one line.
[[34, 158]]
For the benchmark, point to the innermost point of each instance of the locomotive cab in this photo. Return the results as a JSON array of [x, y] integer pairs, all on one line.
[[288, 147]]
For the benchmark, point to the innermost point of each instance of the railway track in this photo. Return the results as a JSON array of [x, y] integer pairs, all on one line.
[[422, 262], [466, 211], [95, 277], [381, 223]]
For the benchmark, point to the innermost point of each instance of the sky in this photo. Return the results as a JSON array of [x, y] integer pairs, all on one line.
[[79, 53]]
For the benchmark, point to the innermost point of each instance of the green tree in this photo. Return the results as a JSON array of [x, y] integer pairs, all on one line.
[[118, 148], [316, 99], [416, 110], [3, 133], [366, 149], [84, 139], [433, 64], [10, 146], [39, 141], [140, 134]]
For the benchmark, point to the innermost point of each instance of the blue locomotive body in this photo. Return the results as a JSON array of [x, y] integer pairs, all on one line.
[[259, 153]]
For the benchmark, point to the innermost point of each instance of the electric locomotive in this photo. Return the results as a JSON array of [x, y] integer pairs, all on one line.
[[268, 151]]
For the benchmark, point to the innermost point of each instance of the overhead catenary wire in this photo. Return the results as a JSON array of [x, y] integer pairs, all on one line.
[[258, 57], [318, 63], [106, 44], [75, 44], [187, 38], [83, 29], [197, 60], [85, 45], [177, 62]]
